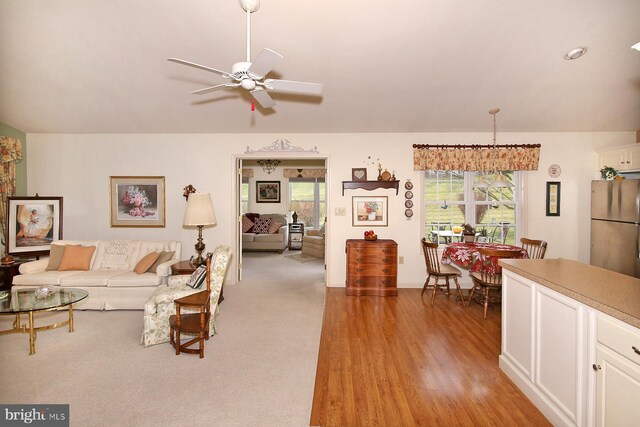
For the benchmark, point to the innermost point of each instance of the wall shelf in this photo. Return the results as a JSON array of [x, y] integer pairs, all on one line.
[[369, 185]]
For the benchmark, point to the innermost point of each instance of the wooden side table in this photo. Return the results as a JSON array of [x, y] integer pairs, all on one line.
[[187, 267], [7, 272]]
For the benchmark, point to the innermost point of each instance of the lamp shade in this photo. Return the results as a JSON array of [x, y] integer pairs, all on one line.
[[295, 206], [199, 210]]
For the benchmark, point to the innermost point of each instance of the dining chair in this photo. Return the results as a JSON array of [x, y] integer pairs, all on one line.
[[437, 270], [487, 281], [500, 232], [535, 248]]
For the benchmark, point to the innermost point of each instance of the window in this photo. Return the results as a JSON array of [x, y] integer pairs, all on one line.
[[310, 192], [450, 200], [244, 196]]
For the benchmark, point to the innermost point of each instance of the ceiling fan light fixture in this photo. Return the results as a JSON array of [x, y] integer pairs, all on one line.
[[501, 182], [575, 53]]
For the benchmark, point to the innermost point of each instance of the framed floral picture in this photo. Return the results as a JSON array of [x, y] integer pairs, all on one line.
[[370, 211], [33, 224], [267, 191], [137, 201]]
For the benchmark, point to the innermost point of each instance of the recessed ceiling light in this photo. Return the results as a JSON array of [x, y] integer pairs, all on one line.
[[575, 53], [636, 46]]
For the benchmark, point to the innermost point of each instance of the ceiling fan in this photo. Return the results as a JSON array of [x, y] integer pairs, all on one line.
[[251, 75]]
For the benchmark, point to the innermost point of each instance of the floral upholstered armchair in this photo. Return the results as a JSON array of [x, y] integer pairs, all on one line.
[[160, 304]]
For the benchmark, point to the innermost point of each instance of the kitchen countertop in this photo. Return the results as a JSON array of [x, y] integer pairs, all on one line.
[[615, 294]]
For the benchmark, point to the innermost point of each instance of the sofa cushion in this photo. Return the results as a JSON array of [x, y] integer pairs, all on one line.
[[252, 217], [147, 246], [131, 279], [76, 258], [146, 262], [262, 226], [247, 224], [269, 238], [42, 278], [197, 277], [116, 254], [248, 237], [86, 279], [163, 257], [55, 256]]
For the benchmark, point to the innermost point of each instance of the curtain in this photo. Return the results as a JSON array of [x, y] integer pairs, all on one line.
[[10, 153], [523, 157], [247, 173], [304, 173]]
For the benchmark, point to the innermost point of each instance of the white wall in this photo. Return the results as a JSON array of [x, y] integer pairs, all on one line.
[[78, 167]]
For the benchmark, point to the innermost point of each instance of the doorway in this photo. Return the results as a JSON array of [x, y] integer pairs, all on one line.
[[275, 188]]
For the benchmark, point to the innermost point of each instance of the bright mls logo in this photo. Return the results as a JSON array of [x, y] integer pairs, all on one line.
[[34, 415]]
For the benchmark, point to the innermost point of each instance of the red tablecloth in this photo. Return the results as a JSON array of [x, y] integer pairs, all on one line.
[[466, 255]]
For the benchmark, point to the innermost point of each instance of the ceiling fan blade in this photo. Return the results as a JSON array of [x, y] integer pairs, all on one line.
[[265, 62], [212, 88], [201, 67], [263, 98], [293, 86]]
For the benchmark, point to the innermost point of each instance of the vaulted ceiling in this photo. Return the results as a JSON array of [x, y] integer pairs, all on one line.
[[99, 66]]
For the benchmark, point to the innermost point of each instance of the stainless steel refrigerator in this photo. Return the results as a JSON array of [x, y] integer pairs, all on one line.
[[615, 225]]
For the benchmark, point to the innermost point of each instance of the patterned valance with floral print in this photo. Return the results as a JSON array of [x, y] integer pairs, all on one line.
[[304, 173], [10, 153], [247, 173], [476, 157]]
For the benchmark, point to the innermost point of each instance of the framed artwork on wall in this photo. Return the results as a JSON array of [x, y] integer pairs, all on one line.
[[267, 191], [553, 198], [358, 174], [33, 224], [137, 201], [370, 211]]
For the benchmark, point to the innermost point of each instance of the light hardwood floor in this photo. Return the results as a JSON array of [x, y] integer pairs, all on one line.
[[398, 361]]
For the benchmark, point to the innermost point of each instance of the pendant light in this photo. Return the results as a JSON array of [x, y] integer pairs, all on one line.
[[501, 180]]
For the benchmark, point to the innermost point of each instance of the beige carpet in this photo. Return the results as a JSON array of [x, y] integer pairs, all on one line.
[[258, 370], [302, 257]]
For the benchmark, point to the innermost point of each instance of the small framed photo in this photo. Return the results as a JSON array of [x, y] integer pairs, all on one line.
[[137, 201], [370, 211], [267, 191], [358, 174], [33, 224], [553, 198]]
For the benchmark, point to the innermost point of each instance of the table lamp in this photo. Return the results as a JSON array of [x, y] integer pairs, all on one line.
[[199, 214], [294, 206]]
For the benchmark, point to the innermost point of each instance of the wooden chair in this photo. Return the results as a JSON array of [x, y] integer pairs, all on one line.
[[535, 248], [485, 282], [437, 270], [194, 323]]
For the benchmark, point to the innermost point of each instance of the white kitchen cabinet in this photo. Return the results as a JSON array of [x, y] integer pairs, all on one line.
[[617, 370], [625, 158], [544, 343]]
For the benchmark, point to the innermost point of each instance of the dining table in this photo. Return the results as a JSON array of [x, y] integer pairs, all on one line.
[[467, 255]]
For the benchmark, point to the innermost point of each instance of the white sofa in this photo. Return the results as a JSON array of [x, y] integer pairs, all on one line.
[[277, 242], [110, 281]]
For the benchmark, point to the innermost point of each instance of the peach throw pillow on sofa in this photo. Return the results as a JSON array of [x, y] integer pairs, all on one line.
[[76, 258], [146, 262]]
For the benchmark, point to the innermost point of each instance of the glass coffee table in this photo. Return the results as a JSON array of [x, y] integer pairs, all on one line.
[[24, 301]]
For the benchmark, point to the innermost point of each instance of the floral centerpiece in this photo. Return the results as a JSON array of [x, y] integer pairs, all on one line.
[[469, 232], [137, 200]]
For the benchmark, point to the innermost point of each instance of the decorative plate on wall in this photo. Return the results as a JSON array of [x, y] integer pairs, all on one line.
[[408, 185], [408, 195], [408, 204], [408, 213], [554, 171]]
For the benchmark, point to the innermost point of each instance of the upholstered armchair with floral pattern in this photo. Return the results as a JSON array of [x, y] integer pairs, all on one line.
[[160, 304]]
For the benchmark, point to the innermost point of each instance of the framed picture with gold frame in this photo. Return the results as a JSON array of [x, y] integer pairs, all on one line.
[[137, 201]]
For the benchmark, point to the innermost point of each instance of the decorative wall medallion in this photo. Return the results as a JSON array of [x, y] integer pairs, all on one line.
[[408, 185], [408, 213], [554, 171], [408, 195], [408, 204]]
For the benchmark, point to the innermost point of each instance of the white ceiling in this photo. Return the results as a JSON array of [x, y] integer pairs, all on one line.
[[99, 66]]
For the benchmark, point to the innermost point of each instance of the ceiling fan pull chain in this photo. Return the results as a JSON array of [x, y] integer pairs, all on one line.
[[253, 105]]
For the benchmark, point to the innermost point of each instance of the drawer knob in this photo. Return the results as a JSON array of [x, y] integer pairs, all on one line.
[[359, 282], [596, 367], [358, 250], [359, 259], [359, 269], [385, 270], [635, 349], [385, 260], [385, 250]]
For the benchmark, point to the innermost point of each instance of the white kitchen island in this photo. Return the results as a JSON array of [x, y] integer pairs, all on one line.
[[571, 340]]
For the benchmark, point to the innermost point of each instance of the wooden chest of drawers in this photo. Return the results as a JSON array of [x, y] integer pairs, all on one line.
[[372, 267]]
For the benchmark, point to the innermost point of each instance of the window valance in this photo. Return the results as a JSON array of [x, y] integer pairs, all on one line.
[[247, 173], [476, 157], [10, 149], [304, 173]]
